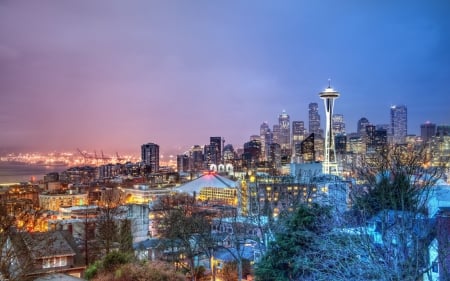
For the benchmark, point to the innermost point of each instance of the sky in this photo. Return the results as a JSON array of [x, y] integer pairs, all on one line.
[[113, 75]]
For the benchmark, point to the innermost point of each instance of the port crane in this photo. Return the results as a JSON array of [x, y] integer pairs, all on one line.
[[102, 159]]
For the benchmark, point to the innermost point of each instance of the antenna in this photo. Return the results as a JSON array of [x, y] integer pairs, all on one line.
[[329, 82]]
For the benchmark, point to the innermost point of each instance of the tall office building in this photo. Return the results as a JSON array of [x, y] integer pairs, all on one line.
[[276, 133], [338, 124], [183, 163], [427, 131], [198, 158], [298, 135], [376, 139], [399, 121], [284, 137], [264, 133], [215, 150], [361, 126], [329, 165], [307, 149], [150, 156], [252, 154], [443, 130], [314, 119]]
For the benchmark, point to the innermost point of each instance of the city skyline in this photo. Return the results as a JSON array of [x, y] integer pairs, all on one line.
[[112, 75]]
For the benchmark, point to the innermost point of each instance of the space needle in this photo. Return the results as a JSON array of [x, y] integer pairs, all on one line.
[[329, 165]]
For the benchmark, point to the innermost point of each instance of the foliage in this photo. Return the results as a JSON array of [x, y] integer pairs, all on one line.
[[108, 219], [397, 178], [229, 271], [151, 271], [125, 237], [310, 245], [92, 270], [399, 183], [184, 225], [295, 237], [15, 259], [114, 259]]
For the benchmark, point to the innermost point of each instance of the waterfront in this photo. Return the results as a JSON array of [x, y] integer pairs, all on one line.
[[15, 172]]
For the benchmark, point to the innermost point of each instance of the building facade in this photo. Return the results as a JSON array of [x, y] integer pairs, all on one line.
[[399, 124], [427, 131], [150, 156], [314, 119]]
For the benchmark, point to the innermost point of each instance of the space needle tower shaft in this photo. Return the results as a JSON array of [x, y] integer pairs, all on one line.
[[329, 165]]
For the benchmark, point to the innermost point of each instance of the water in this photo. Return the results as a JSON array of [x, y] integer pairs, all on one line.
[[22, 172]]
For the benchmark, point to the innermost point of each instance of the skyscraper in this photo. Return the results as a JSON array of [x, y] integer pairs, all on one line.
[[427, 131], [338, 124], [264, 132], [314, 119], [399, 121], [361, 127], [197, 156], [298, 135], [150, 156], [276, 133], [329, 165], [284, 137], [307, 149], [215, 150]]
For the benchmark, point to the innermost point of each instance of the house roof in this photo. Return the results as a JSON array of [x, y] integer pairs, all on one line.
[[231, 254], [206, 180], [150, 243], [47, 244]]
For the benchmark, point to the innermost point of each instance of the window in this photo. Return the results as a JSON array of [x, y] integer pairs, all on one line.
[[54, 262], [435, 267]]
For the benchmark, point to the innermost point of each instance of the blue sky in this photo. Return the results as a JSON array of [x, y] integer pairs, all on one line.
[[112, 75]]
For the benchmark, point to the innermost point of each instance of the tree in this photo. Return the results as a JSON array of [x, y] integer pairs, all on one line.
[[187, 229], [308, 247], [396, 178], [398, 185], [152, 271], [111, 211], [125, 237], [15, 261], [293, 240], [230, 270]]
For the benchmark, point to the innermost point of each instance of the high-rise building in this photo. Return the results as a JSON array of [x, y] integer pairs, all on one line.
[[443, 130], [376, 139], [361, 126], [284, 138], [198, 158], [340, 141], [298, 135], [274, 156], [338, 124], [427, 131], [150, 156], [329, 165], [314, 119], [307, 149], [183, 163], [399, 124], [214, 153], [276, 133], [252, 153], [264, 133]]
